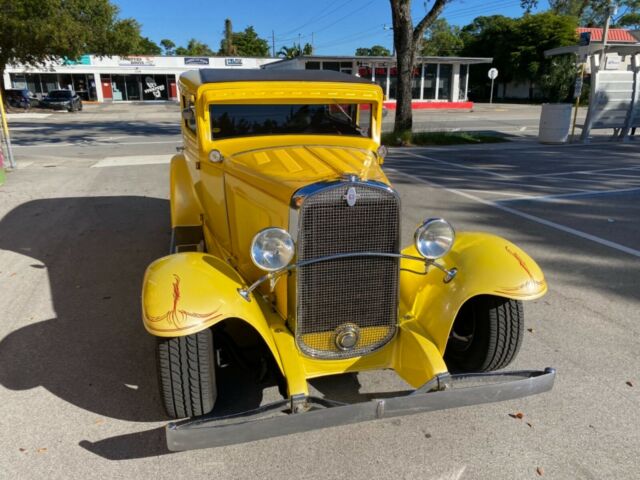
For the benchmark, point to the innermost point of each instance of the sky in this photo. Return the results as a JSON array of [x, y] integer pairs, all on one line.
[[334, 27]]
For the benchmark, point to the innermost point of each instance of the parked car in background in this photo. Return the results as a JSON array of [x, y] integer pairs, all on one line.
[[62, 100], [21, 98]]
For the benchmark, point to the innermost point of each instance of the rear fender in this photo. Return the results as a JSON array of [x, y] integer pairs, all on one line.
[[188, 292], [486, 265]]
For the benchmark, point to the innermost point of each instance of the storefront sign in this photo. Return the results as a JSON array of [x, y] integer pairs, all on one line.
[[136, 61], [153, 87], [82, 60], [233, 62], [196, 60], [613, 61]]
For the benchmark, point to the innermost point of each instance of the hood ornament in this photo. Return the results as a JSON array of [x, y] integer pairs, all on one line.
[[351, 196]]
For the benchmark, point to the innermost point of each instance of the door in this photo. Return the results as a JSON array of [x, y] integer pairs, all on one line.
[[107, 92]]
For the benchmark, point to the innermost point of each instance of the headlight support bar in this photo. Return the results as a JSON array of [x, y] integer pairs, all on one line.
[[245, 292]]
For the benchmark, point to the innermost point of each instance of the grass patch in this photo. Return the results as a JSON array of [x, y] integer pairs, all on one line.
[[440, 138]]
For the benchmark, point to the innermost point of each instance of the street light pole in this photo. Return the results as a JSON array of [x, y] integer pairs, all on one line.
[[605, 34]]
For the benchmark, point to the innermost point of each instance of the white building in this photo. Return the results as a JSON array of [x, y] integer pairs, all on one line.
[[438, 82], [106, 79]]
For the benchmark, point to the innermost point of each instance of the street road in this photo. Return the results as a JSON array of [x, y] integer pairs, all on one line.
[[87, 210]]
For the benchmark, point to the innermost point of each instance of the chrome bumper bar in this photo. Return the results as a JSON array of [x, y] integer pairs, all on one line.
[[272, 420]]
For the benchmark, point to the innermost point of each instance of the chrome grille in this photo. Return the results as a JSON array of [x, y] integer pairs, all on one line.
[[356, 290]]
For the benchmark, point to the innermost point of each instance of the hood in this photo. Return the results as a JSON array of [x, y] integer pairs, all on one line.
[[280, 171]]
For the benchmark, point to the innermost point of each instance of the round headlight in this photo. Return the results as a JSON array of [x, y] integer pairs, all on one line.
[[434, 238], [383, 151], [272, 249]]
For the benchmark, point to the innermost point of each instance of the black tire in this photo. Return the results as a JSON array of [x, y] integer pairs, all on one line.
[[486, 334], [186, 372]]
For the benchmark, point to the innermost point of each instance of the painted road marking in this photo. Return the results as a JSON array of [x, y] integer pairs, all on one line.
[[586, 193], [97, 144], [132, 160], [457, 165], [581, 172], [18, 116], [533, 218]]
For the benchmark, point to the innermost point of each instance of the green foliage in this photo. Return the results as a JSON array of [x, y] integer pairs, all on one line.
[[169, 46], [245, 44], [195, 48], [375, 51], [146, 46], [557, 82], [442, 39], [629, 20], [34, 31], [295, 51], [591, 13], [517, 45]]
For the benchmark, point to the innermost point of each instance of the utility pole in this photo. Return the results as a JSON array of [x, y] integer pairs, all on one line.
[[273, 43], [605, 34], [311, 43]]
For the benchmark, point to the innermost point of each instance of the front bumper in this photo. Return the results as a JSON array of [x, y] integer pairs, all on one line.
[[56, 106], [271, 420]]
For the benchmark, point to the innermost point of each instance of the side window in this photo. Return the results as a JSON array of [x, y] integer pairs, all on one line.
[[189, 113]]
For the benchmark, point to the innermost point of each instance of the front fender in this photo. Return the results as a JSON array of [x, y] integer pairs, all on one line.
[[486, 264], [188, 292]]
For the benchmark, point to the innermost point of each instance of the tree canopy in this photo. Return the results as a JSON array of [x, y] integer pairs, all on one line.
[[244, 44], [295, 50], [34, 31], [375, 51], [195, 48], [442, 39]]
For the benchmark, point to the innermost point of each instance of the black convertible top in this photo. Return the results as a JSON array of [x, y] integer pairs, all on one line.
[[218, 75]]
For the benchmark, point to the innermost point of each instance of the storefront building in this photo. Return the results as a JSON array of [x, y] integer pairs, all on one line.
[[118, 79], [438, 82]]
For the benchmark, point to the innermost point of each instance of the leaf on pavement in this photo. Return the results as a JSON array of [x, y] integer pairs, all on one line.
[[630, 383], [518, 415], [41, 450], [540, 471], [530, 330]]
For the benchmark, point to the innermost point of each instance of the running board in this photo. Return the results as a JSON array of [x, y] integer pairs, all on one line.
[[272, 420]]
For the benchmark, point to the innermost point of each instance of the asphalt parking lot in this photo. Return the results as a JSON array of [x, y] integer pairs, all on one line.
[[80, 221]]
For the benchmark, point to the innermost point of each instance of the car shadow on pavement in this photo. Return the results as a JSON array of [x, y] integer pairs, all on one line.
[[95, 353]]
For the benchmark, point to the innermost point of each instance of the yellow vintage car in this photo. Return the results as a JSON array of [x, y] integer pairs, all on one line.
[[286, 242]]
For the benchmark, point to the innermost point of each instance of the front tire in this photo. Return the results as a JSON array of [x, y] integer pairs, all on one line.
[[486, 334], [186, 372]]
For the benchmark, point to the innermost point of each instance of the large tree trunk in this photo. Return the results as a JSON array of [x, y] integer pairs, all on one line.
[[405, 57], [406, 39]]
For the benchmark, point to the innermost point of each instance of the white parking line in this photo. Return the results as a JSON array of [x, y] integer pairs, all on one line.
[[457, 165], [586, 193], [581, 172], [132, 160], [533, 218]]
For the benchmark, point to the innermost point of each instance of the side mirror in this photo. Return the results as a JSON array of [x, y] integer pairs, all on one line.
[[188, 114]]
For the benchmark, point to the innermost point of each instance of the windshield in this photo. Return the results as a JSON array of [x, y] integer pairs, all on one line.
[[228, 121], [60, 94]]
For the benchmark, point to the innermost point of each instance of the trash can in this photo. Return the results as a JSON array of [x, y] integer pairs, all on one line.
[[555, 123]]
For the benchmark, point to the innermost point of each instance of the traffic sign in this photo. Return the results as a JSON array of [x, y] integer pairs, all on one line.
[[493, 73]]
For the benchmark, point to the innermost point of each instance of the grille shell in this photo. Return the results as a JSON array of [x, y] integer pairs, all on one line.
[[355, 290]]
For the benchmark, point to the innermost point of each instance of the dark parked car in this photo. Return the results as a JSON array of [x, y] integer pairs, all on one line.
[[62, 100], [21, 98]]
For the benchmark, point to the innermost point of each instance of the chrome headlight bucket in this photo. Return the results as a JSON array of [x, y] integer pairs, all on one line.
[[272, 249], [434, 238]]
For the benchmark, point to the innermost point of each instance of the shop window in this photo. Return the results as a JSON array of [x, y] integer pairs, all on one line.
[[444, 82], [312, 65], [393, 83], [381, 78], [331, 66], [429, 89], [154, 87], [462, 84], [415, 83]]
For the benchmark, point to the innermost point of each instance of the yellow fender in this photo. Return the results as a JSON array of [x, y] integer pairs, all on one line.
[[185, 207], [188, 292], [486, 264]]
